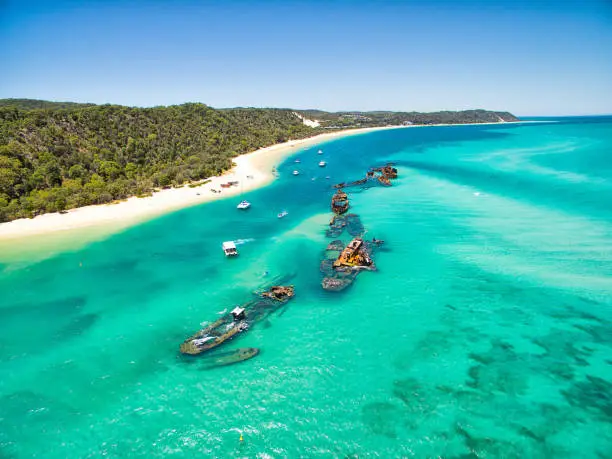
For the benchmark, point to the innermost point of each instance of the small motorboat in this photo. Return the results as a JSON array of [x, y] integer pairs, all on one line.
[[243, 205], [297, 161], [320, 152], [296, 173], [322, 164], [283, 214], [229, 248]]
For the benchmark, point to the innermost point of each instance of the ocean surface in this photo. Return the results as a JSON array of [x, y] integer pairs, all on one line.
[[485, 332]]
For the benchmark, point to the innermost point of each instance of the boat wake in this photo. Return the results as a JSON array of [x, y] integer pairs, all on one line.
[[243, 241]]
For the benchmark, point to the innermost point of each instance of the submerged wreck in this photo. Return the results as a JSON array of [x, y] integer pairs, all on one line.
[[350, 222], [341, 264], [339, 202], [239, 320], [216, 333], [223, 359], [355, 255], [383, 175], [279, 293]]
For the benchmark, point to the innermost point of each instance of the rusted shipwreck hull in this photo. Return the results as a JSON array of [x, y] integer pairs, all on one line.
[[383, 175], [238, 321], [341, 263], [339, 202]]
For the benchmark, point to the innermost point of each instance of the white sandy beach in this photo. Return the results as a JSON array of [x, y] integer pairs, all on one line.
[[84, 224]]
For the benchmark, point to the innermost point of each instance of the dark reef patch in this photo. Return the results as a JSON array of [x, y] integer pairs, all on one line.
[[499, 370], [381, 418], [78, 326], [560, 346], [63, 306], [601, 334], [593, 394]]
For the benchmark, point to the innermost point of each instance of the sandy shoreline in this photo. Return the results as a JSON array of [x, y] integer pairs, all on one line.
[[97, 221]]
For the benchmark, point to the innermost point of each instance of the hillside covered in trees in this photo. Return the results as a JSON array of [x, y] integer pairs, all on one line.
[[382, 118], [56, 156]]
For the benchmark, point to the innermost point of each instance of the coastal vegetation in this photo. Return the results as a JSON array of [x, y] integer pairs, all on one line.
[[60, 155], [384, 118]]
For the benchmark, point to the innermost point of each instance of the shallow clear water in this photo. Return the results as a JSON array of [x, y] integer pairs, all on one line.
[[485, 330]]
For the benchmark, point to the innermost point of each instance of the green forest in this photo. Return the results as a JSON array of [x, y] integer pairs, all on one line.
[[56, 159], [60, 155]]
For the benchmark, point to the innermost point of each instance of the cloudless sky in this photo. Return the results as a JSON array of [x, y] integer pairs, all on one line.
[[531, 57]]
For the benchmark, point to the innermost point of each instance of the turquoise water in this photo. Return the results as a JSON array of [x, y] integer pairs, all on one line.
[[485, 331]]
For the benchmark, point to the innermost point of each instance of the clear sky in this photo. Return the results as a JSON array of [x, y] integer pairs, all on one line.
[[530, 57]]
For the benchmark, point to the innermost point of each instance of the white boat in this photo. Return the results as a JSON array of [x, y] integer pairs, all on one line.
[[229, 248], [283, 214], [322, 164], [297, 161], [243, 205], [296, 173], [320, 152]]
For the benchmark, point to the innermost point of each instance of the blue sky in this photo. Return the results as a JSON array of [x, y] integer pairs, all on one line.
[[529, 57]]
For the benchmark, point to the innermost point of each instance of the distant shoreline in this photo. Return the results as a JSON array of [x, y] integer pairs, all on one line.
[[107, 219]]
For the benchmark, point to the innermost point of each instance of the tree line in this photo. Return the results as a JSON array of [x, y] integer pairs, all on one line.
[[53, 159]]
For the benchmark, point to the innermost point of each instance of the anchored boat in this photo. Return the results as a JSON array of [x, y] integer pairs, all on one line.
[[229, 248], [244, 205]]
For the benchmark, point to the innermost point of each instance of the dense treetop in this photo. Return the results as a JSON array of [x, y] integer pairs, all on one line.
[[29, 104], [382, 118], [56, 156]]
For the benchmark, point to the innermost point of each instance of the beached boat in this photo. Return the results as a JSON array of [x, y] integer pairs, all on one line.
[[283, 214], [223, 359], [339, 202], [322, 164], [243, 205], [229, 248]]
